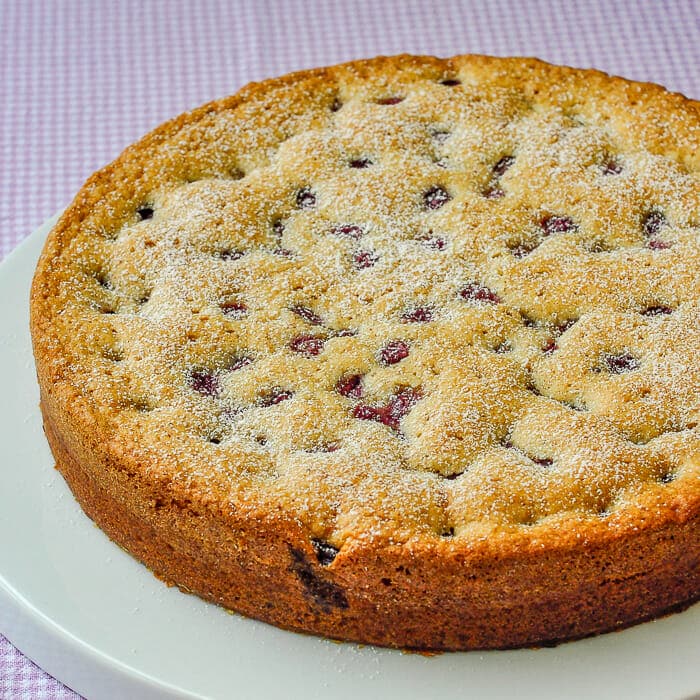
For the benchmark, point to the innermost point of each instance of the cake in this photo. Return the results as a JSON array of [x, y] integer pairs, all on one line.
[[402, 351]]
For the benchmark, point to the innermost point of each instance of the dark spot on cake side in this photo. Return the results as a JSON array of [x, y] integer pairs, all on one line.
[[325, 552], [325, 594]]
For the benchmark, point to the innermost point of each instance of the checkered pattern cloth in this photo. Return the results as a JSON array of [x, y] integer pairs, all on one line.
[[83, 79], [20, 679]]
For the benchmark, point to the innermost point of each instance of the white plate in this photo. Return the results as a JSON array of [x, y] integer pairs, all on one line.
[[101, 623]]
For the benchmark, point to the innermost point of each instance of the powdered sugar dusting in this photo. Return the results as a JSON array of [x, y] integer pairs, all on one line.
[[292, 202]]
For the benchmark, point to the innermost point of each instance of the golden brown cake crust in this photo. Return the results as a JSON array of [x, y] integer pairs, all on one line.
[[402, 351]]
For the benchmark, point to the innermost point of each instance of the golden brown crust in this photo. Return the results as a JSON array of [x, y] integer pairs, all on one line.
[[511, 552]]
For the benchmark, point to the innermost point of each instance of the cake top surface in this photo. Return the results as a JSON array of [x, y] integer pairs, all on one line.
[[410, 296]]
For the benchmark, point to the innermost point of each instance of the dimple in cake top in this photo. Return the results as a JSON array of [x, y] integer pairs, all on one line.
[[431, 297]]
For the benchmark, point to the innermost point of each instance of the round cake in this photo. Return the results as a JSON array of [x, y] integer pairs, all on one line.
[[403, 351]]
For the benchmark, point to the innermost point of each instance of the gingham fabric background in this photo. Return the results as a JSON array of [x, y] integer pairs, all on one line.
[[79, 80]]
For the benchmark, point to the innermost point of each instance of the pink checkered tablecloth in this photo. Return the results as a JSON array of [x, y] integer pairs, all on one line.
[[79, 80]]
